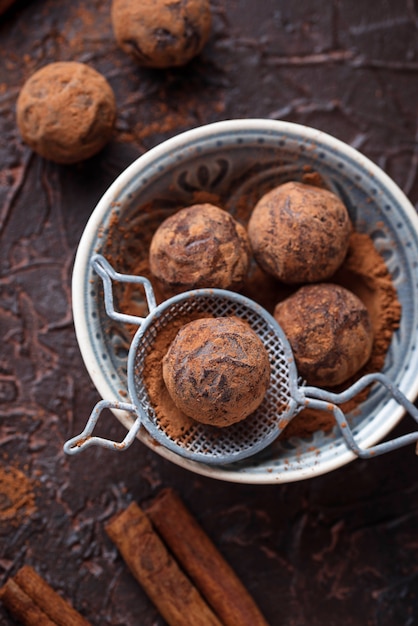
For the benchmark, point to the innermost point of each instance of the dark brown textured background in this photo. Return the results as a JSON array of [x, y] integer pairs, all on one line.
[[341, 549]]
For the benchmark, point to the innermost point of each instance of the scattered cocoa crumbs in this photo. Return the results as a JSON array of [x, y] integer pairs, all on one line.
[[17, 498], [364, 272], [312, 178]]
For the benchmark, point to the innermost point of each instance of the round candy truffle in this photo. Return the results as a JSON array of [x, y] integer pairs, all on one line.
[[299, 233], [161, 33], [217, 370], [329, 330], [66, 112], [199, 246]]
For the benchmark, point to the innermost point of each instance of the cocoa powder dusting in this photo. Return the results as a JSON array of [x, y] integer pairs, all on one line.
[[17, 499], [173, 420], [363, 271]]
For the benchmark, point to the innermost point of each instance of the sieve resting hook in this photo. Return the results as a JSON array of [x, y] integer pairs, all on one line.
[[325, 400], [85, 439], [108, 274]]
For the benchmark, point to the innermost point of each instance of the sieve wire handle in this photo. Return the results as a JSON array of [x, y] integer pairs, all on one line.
[[85, 440], [325, 400], [106, 272]]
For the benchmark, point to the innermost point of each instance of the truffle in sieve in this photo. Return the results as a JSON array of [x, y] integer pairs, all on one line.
[[217, 370]]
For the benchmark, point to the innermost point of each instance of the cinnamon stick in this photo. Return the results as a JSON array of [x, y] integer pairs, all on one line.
[[171, 591], [60, 612], [194, 550], [34, 603], [21, 606]]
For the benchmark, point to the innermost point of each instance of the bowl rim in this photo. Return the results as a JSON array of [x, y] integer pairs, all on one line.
[[82, 259]]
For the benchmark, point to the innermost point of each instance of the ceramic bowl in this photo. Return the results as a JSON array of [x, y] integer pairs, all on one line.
[[229, 161]]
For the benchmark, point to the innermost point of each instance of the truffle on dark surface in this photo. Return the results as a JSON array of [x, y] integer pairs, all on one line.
[[199, 246], [299, 233], [161, 33], [66, 112], [329, 330], [217, 370]]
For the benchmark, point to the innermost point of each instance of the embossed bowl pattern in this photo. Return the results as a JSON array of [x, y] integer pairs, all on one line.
[[236, 162]]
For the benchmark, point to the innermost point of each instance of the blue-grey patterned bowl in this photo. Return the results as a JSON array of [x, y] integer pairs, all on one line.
[[232, 160]]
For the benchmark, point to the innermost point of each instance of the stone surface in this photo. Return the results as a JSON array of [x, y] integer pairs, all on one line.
[[340, 549]]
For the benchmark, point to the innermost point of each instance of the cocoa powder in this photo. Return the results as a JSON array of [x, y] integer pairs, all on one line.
[[17, 499], [363, 271], [171, 418]]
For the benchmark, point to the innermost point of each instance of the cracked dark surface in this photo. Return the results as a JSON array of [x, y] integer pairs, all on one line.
[[338, 549]]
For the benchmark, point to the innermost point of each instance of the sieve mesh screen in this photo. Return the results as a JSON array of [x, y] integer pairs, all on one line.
[[240, 439]]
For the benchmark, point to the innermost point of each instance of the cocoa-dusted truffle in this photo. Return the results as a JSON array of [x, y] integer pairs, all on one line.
[[66, 112], [217, 370], [199, 246], [161, 33], [329, 330], [299, 233]]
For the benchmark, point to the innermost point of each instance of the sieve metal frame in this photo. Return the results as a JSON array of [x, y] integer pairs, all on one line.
[[245, 438], [299, 396]]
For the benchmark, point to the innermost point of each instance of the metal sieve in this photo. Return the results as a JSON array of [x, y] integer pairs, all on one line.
[[285, 397]]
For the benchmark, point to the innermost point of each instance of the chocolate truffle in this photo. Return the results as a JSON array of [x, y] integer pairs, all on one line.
[[66, 112], [161, 33], [329, 330], [299, 233], [217, 370], [199, 246]]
